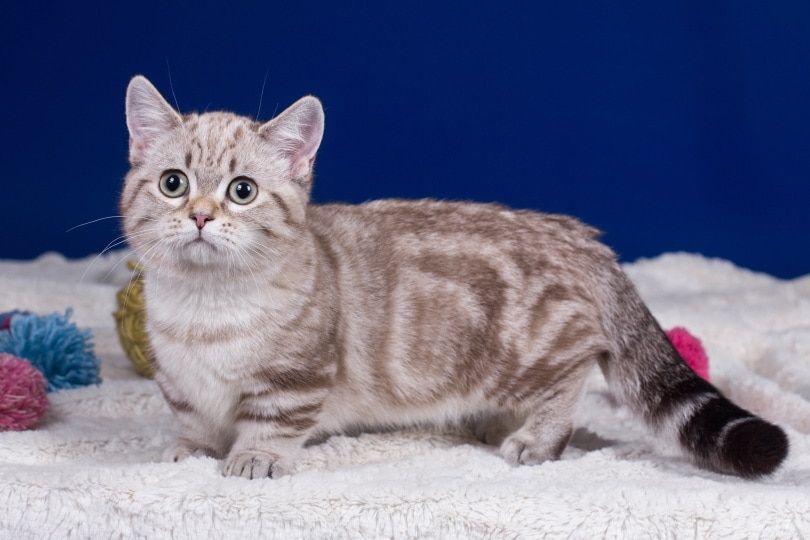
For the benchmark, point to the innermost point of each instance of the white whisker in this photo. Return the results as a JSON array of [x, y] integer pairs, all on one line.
[[91, 222], [171, 84], [261, 96], [119, 240]]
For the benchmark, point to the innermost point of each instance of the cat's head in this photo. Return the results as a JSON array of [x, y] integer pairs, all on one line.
[[216, 189]]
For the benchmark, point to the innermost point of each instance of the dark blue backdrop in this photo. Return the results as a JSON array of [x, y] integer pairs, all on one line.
[[672, 125]]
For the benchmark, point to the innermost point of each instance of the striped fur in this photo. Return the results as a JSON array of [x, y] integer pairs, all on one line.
[[279, 321]]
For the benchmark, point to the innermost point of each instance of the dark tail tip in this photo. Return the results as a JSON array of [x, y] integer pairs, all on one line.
[[754, 448]]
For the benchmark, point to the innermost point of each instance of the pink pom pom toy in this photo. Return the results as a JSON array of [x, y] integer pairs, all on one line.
[[691, 350], [23, 401]]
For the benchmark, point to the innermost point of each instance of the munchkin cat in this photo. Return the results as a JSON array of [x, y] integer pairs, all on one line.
[[274, 321]]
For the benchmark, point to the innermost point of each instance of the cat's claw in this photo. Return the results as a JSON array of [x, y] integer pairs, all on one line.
[[254, 465]]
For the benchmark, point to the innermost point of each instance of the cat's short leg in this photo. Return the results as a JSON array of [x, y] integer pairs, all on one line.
[[494, 428], [545, 433], [534, 444], [267, 442], [196, 439]]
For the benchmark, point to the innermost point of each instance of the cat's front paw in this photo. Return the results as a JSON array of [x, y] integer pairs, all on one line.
[[254, 464], [182, 449]]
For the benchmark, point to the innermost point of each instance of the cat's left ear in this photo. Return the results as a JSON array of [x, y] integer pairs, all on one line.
[[297, 134], [149, 116]]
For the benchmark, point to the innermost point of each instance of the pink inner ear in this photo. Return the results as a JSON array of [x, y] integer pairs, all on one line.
[[137, 149], [301, 168], [304, 157]]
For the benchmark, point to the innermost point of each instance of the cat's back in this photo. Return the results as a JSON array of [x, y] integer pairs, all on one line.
[[456, 228]]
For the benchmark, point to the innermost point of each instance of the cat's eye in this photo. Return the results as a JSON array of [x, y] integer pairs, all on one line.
[[173, 184], [243, 190]]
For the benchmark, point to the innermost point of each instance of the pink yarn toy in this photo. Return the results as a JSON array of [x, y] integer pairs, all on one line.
[[23, 401], [691, 350]]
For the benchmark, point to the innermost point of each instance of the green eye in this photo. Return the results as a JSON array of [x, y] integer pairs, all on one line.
[[243, 190], [173, 184]]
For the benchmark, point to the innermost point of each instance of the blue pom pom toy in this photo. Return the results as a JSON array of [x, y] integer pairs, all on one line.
[[56, 347]]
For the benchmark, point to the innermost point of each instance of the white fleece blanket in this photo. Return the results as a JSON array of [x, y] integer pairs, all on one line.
[[92, 470]]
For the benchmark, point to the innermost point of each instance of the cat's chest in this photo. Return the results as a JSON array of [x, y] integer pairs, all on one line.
[[220, 334], [209, 351]]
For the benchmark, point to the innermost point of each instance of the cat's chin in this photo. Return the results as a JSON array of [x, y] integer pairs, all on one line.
[[200, 252]]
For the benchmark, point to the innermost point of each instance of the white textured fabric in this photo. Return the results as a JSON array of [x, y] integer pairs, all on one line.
[[92, 470]]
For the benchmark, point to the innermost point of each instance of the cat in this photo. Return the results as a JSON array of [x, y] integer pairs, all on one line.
[[274, 321]]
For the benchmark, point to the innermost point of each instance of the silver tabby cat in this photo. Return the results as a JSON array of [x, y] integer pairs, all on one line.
[[275, 321]]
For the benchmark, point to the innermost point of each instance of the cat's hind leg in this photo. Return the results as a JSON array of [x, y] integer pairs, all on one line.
[[493, 428], [546, 431]]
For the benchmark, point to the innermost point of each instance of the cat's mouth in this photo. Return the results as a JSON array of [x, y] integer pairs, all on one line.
[[199, 251], [199, 242]]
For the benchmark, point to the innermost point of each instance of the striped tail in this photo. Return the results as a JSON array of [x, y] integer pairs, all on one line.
[[648, 374]]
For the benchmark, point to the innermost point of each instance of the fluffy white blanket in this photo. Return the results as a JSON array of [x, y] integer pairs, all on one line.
[[92, 469]]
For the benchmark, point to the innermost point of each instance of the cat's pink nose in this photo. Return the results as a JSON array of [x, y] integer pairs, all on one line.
[[201, 218]]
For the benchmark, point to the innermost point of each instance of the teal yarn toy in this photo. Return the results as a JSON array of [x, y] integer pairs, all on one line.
[[53, 345]]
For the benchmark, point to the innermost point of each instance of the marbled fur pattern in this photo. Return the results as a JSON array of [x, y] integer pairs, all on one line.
[[280, 321]]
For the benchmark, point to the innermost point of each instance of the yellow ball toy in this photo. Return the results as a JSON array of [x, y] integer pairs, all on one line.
[[131, 323]]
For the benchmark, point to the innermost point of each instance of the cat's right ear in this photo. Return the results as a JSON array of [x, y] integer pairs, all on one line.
[[148, 117]]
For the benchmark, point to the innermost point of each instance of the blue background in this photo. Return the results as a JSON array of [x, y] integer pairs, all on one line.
[[671, 125]]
